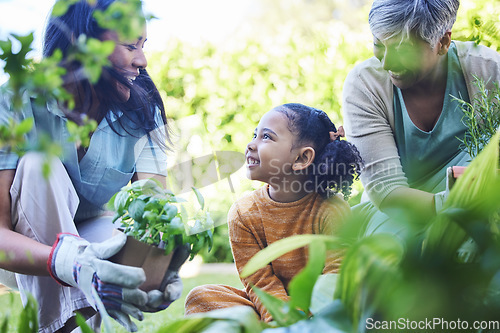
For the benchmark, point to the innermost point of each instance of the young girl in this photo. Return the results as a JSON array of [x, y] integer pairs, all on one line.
[[296, 150]]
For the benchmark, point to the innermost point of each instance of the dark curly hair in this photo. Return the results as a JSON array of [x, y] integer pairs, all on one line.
[[337, 163], [78, 20]]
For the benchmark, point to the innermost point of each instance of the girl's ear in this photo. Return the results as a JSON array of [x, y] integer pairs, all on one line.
[[304, 159]]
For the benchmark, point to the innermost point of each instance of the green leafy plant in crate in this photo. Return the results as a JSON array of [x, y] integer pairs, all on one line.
[[155, 216]]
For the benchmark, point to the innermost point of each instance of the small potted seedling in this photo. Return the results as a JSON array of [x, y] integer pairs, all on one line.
[[156, 224]]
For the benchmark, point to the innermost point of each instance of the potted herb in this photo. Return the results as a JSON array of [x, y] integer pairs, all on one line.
[[482, 119], [156, 224]]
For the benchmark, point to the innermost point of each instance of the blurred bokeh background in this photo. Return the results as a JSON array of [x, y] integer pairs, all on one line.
[[221, 64]]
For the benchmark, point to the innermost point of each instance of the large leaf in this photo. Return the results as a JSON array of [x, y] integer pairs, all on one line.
[[333, 319], [242, 317], [28, 321], [136, 209], [5, 325], [60, 7], [369, 265], [84, 327], [226, 326], [279, 248], [280, 310], [199, 197], [118, 202], [475, 196], [301, 287], [149, 186], [323, 292], [187, 325], [24, 126]]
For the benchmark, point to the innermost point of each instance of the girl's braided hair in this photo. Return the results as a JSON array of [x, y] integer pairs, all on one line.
[[337, 163]]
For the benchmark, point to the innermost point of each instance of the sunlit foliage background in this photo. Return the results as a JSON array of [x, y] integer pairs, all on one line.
[[215, 92], [292, 51]]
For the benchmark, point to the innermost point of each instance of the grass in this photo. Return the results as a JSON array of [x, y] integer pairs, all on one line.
[[10, 304]]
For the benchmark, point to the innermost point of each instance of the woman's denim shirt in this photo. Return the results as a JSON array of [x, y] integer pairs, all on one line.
[[111, 158]]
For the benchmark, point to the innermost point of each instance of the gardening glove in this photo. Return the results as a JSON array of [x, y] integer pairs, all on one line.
[[440, 197], [75, 262], [171, 286]]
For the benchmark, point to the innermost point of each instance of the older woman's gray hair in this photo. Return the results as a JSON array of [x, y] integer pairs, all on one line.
[[427, 19]]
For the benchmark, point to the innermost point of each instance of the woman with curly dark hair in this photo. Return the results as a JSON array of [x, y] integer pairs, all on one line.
[[296, 150]]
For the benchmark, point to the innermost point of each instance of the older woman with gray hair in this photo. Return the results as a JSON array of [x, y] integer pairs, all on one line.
[[399, 108]]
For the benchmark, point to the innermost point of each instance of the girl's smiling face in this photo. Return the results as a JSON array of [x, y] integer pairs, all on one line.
[[270, 155]]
